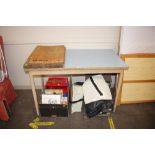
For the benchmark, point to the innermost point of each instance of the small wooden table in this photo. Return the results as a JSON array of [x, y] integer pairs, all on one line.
[[81, 62]]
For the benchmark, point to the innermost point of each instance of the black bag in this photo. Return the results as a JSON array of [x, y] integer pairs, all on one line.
[[98, 107]]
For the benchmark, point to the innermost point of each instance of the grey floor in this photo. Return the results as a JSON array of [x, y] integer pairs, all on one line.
[[136, 116]]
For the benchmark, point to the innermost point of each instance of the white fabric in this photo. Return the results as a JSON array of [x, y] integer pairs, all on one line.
[[77, 95], [76, 107], [77, 92], [91, 94]]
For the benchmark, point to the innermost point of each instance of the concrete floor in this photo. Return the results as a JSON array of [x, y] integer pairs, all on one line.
[[136, 116]]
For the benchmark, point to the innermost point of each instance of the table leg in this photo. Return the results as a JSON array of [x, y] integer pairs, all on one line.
[[118, 88], [34, 93], [42, 81]]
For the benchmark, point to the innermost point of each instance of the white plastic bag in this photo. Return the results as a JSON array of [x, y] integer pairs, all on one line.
[[91, 93]]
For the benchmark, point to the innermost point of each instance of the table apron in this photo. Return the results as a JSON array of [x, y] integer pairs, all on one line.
[[73, 72]]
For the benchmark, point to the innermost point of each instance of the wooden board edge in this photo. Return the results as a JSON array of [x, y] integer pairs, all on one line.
[[138, 55], [139, 81], [138, 102]]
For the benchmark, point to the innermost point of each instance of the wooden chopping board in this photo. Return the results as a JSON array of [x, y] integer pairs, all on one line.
[[46, 56]]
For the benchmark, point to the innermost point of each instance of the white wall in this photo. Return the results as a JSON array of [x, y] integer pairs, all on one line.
[[138, 39], [20, 41]]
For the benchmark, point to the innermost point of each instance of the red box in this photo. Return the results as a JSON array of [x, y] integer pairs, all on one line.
[[57, 83]]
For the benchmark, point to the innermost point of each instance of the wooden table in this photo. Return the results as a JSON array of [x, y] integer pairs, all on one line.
[[81, 62]]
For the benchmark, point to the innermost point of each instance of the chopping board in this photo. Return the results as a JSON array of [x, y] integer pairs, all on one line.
[[46, 57]]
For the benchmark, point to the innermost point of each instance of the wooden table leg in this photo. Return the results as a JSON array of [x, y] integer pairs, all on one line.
[[34, 93], [42, 81], [120, 78]]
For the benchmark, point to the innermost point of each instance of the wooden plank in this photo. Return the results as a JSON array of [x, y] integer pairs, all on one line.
[[138, 55], [140, 69], [46, 56], [76, 71], [138, 92]]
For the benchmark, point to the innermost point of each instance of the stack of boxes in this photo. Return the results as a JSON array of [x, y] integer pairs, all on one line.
[[55, 97]]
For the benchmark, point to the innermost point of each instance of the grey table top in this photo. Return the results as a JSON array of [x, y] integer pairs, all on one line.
[[93, 58]]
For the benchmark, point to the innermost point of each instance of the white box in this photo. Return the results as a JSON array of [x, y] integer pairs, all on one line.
[[51, 99]]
